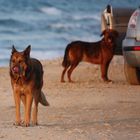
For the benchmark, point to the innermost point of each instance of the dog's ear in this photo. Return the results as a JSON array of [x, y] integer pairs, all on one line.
[[27, 51], [13, 49], [103, 33]]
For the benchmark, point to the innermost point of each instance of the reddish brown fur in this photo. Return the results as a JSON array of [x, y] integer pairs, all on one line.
[[27, 80], [100, 52]]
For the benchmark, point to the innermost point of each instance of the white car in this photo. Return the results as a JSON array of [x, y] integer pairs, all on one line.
[[131, 49]]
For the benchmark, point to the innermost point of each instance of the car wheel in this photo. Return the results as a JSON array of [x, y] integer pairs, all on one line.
[[132, 74]]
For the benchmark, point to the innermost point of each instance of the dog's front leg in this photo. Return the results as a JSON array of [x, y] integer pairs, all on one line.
[[104, 71], [29, 100], [17, 104]]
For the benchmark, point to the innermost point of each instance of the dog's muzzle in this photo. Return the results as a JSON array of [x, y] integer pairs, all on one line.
[[16, 69]]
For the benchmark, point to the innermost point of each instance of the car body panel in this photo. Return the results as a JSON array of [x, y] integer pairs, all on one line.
[[132, 41], [138, 29], [132, 58]]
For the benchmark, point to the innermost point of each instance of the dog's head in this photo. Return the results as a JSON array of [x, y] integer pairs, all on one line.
[[19, 61], [110, 35]]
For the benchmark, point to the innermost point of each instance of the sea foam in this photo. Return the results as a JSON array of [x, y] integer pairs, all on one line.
[[51, 10]]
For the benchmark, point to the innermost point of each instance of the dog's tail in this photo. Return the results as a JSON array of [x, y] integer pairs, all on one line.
[[66, 61], [43, 99]]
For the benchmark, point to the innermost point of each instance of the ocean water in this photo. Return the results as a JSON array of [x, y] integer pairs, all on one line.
[[49, 25]]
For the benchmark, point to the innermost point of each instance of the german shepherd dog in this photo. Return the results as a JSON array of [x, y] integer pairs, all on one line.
[[100, 52], [27, 80]]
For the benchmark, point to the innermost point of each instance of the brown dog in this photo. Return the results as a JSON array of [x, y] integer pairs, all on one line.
[[27, 80], [100, 52]]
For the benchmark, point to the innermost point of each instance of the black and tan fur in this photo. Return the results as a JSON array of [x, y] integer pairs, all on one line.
[[27, 80]]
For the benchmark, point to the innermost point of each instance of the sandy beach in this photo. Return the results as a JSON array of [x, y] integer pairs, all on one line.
[[88, 109]]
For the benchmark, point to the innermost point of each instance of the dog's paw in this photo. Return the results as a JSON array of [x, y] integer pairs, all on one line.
[[111, 81], [34, 123], [17, 123], [62, 81], [26, 124], [71, 81], [108, 81]]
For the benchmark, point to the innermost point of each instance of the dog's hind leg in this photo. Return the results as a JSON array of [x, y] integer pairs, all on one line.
[[29, 99], [17, 104], [63, 73], [73, 66], [23, 99], [35, 109]]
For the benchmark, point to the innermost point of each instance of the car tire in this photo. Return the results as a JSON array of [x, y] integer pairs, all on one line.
[[132, 74]]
